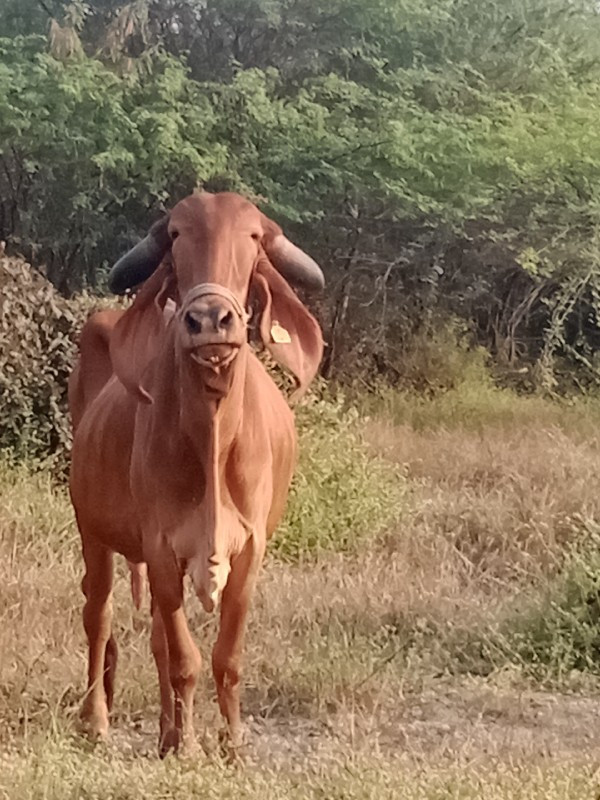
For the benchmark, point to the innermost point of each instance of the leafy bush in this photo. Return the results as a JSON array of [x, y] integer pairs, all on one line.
[[38, 345], [37, 349], [558, 631], [342, 496]]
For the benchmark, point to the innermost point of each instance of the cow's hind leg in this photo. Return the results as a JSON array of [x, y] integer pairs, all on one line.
[[227, 653], [97, 618], [184, 661]]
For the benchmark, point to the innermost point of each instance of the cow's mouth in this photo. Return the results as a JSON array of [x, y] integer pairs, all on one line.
[[215, 356]]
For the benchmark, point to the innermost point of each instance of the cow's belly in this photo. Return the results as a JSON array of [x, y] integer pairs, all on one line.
[[99, 482], [268, 429]]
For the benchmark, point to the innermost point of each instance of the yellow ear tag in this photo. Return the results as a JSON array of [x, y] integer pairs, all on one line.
[[279, 334]]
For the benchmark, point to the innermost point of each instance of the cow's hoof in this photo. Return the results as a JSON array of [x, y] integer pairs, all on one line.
[[168, 742], [232, 747], [94, 725]]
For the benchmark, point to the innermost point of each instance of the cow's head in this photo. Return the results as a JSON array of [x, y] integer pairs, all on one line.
[[209, 254]]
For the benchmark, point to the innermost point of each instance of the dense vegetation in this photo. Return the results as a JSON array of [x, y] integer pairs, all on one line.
[[442, 159]]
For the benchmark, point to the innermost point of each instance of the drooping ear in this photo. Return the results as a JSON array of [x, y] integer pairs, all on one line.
[[135, 337], [288, 330]]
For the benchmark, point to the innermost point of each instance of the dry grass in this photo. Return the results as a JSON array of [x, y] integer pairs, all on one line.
[[477, 404], [498, 501], [352, 658], [502, 536], [58, 769]]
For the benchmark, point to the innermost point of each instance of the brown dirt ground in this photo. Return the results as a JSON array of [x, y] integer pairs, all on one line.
[[474, 722]]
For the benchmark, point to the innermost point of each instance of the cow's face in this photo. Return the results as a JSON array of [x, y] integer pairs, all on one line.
[[212, 249], [215, 246]]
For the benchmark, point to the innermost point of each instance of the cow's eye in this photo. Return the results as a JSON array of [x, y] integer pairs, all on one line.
[[174, 235], [255, 236]]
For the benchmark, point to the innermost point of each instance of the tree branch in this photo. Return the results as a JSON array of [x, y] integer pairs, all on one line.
[[365, 146], [45, 8]]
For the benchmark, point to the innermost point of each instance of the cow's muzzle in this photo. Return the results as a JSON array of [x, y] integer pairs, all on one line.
[[213, 325]]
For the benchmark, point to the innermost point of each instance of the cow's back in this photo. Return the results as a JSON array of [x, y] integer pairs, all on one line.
[[93, 368]]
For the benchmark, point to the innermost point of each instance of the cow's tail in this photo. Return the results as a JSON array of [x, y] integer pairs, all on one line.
[[138, 581]]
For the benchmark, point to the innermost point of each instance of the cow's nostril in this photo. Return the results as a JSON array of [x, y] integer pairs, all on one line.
[[192, 324], [226, 320]]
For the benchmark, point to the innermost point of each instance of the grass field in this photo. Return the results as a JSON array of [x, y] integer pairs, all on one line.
[[426, 625]]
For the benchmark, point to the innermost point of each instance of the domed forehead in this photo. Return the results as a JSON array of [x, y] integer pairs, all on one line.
[[210, 211]]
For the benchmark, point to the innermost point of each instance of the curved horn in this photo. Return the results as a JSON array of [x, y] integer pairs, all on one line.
[[141, 261], [294, 264]]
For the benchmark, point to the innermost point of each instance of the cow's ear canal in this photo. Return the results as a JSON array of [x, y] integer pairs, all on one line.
[[259, 307]]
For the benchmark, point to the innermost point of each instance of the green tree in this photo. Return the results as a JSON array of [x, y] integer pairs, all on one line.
[[440, 159]]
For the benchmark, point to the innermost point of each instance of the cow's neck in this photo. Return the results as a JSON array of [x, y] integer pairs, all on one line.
[[211, 405], [211, 423]]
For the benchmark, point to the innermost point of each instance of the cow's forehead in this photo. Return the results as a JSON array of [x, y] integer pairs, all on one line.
[[214, 209]]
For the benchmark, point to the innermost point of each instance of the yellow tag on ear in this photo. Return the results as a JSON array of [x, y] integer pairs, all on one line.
[[279, 334]]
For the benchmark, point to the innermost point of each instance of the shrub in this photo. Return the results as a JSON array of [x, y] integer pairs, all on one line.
[[557, 631], [38, 329], [342, 495]]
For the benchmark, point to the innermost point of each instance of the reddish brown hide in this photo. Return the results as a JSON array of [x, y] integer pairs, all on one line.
[[184, 447]]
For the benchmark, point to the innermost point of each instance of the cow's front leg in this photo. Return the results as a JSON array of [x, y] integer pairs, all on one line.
[[160, 650], [184, 661], [227, 653]]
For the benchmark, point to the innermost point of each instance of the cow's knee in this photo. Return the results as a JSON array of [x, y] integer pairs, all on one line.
[[227, 670], [184, 675], [97, 618]]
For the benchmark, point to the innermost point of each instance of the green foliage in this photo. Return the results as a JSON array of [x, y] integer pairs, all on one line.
[[342, 497], [556, 632], [85, 153], [436, 158], [476, 403]]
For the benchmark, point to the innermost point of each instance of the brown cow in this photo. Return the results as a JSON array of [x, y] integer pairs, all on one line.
[[184, 447]]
